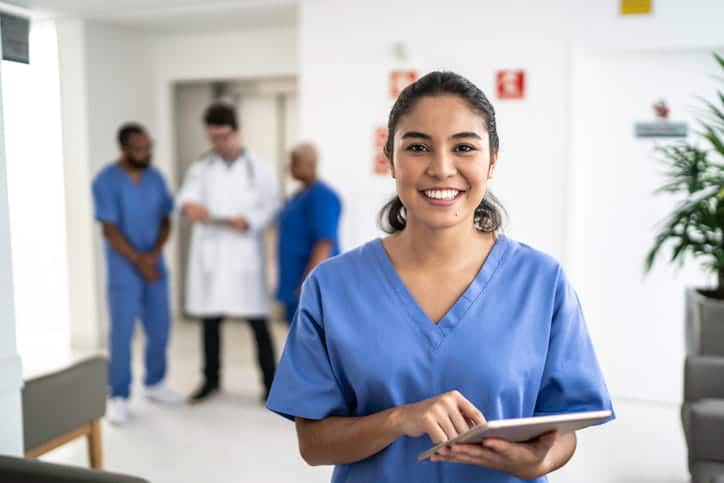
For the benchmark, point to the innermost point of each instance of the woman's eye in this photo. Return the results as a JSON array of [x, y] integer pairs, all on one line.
[[464, 148], [417, 148]]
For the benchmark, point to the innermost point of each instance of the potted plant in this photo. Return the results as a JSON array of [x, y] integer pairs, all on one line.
[[696, 226]]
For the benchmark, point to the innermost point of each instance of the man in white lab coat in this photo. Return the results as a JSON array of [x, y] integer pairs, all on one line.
[[230, 197]]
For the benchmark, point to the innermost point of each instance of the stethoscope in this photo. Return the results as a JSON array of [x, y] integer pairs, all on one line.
[[211, 155]]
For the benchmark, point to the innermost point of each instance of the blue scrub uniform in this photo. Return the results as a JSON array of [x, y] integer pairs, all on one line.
[[137, 210], [515, 344], [306, 218]]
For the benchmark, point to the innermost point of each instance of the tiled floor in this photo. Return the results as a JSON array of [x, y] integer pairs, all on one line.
[[232, 439]]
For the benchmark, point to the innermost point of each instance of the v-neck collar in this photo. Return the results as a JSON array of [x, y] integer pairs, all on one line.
[[129, 178], [436, 333]]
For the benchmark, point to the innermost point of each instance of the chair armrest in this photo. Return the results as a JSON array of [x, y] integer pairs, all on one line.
[[703, 377], [63, 400], [21, 470], [706, 430]]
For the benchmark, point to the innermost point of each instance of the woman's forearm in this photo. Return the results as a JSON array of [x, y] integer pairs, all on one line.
[[344, 440]]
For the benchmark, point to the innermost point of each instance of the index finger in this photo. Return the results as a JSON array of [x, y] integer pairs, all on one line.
[[470, 411]]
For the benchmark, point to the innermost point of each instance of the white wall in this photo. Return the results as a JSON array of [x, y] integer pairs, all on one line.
[[616, 214], [34, 161], [106, 78], [82, 285], [11, 430], [214, 56], [620, 67], [120, 88], [343, 96]]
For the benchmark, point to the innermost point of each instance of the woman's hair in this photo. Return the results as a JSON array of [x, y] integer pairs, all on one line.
[[488, 217]]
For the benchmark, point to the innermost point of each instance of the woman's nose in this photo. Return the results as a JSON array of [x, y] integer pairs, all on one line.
[[441, 166]]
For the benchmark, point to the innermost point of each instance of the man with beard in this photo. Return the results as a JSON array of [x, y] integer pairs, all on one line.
[[133, 205]]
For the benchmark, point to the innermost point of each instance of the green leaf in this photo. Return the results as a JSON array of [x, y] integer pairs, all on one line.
[[714, 110], [719, 59], [711, 136], [695, 226]]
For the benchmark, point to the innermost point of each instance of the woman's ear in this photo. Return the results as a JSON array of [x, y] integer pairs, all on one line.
[[386, 152], [491, 168]]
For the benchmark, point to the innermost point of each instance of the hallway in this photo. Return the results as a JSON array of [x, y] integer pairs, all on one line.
[[232, 439]]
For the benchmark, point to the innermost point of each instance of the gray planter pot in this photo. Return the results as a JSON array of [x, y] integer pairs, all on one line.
[[704, 324]]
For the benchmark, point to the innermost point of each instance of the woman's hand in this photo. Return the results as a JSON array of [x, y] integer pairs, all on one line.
[[442, 417], [527, 460]]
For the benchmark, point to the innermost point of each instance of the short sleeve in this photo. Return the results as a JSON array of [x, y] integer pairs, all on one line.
[[572, 379], [305, 385], [325, 211], [104, 205]]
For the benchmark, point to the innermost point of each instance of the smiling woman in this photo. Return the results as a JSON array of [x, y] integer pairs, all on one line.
[[479, 144], [439, 326]]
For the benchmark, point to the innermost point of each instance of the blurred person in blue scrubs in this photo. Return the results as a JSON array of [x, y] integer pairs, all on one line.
[[133, 204], [412, 339], [308, 227]]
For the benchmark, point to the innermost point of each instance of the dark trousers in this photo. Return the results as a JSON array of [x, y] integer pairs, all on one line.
[[265, 356]]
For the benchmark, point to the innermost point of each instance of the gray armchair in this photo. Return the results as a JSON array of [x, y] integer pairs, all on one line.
[[21, 470], [702, 415], [66, 404]]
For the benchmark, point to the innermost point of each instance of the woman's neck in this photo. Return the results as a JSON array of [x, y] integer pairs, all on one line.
[[457, 246]]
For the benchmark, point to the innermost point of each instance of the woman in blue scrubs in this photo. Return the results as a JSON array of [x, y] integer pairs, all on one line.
[[308, 227], [412, 339]]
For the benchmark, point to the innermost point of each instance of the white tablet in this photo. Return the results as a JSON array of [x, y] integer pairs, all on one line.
[[523, 429]]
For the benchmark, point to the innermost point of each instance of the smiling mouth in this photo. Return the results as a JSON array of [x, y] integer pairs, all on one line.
[[442, 194]]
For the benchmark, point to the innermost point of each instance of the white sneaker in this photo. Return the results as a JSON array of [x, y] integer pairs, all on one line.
[[162, 394], [117, 411]]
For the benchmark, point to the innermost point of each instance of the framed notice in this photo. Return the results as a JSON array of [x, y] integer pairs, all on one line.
[[399, 79], [380, 163], [510, 84]]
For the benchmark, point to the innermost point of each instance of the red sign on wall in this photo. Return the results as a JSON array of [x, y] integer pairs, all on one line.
[[399, 79], [510, 84], [380, 163]]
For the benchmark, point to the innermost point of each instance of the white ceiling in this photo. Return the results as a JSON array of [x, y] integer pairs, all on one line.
[[172, 15]]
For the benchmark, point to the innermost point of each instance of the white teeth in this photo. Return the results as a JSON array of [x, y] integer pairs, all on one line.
[[441, 194]]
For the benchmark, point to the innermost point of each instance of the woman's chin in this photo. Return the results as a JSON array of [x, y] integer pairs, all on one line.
[[442, 223]]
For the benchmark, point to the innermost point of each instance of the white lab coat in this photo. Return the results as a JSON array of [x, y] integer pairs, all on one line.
[[226, 269]]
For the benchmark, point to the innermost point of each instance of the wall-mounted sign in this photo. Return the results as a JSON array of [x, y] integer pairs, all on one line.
[[662, 127], [635, 7], [399, 79], [380, 163], [510, 84], [15, 38]]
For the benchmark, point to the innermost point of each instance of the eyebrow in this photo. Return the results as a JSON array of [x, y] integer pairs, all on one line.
[[417, 134]]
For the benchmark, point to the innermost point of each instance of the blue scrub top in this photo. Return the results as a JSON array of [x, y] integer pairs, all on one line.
[[306, 218], [136, 209], [515, 344]]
